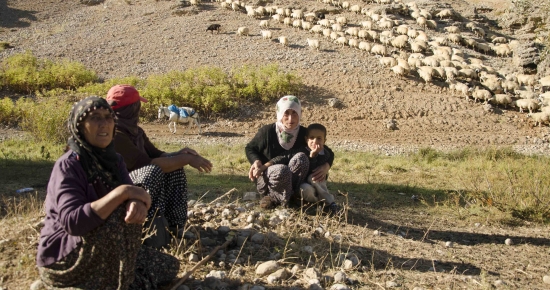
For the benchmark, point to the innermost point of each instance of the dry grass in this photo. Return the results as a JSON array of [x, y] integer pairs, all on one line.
[[474, 198]]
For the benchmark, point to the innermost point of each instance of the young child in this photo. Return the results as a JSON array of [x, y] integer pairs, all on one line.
[[312, 191]]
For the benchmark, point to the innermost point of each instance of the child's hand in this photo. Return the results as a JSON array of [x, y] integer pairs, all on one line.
[[315, 150]]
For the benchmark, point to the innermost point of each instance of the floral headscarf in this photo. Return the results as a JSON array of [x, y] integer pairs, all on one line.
[[287, 137], [100, 164]]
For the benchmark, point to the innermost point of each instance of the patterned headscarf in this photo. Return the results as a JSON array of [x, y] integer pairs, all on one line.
[[287, 137], [100, 164]]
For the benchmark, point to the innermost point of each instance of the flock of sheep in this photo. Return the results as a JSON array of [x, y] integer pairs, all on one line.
[[397, 34]]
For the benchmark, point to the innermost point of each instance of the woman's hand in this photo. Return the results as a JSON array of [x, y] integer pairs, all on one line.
[[136, 212], [138, 193], [187, 150], [320, 173], [200, 163], [254, 168]]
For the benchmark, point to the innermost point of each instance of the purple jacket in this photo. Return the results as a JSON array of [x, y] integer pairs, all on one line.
[[68, 208]]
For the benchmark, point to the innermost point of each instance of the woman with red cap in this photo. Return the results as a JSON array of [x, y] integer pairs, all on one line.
[[159, 172]]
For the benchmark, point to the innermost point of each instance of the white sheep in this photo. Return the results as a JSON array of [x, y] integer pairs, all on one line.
[[525, 94], [287, 21], [266, 34], [242, 31], [479, 32], [337, 27], [264, 23], [385, 24], [327, 32], [316, 29], [445, 13], [307, 25], [483, 95], [539, 118], [469, 42], [499, 39], [452, 29], [526, 104], [277, 18], [363, 45], [313, 43], [528, 80], [297, 14], [509, 86], [544, 83], [378, 49], [431, 24], [342, 20], [450, 73], [421, 21], [373, 35], [502, 50], [341, 41], [324, 22], [431, 61], [454, 38], [353, 31], [355, 8], [417, 46], [366, 24], [462, 88], [388, 61], [467, 73], [412, 33], [297, 23], [399, 70], [426, 73], [503, 99], [400, 41], [283, 40], [352, 42], [402, 29]]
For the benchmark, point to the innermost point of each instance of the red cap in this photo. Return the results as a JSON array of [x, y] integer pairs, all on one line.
[[123, 95]]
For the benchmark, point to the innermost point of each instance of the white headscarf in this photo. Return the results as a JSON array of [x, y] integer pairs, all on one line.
[[287, 137]]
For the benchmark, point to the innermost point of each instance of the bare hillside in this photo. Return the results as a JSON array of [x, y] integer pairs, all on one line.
[[119, 38]]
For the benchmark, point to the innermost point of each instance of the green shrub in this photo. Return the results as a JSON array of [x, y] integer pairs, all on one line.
[[45, 119], [264, 84], [8, 113], [24, 73]]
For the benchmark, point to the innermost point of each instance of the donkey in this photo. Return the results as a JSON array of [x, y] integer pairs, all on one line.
[[187, 115]]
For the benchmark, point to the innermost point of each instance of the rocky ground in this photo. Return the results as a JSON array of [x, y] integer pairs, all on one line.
[[406, 248]]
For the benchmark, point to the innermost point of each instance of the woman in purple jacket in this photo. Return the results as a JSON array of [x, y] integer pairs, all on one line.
[[91, 237]]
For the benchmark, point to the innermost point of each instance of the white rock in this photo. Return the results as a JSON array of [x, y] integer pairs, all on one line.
[[319, 231], [508, 242], [376, 233], [337, 238], [419, 288], [339, 287], [258, 238], [312, 274], [272, 280], [190, 214], [278, 276], [498, 283], [348, 265], [36, 285], [193, 257], [274, 221], [391, 284], [546, 279], [249, 196], [327, 234], [353, 258], [250, 218], [477, 225], [216, 274], [449, 244], [296, 268], [240, 209], [267, 268], [226, 213], [308, 249], [340, 277]]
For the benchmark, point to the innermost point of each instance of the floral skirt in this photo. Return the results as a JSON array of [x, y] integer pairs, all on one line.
[[111, 257]]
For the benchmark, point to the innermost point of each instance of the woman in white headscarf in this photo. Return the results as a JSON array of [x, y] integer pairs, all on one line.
[[278, 183]]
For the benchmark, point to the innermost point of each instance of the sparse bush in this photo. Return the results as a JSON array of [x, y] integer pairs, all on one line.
[[45, 119], [8, 114], [24, 73], [264, 84]]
